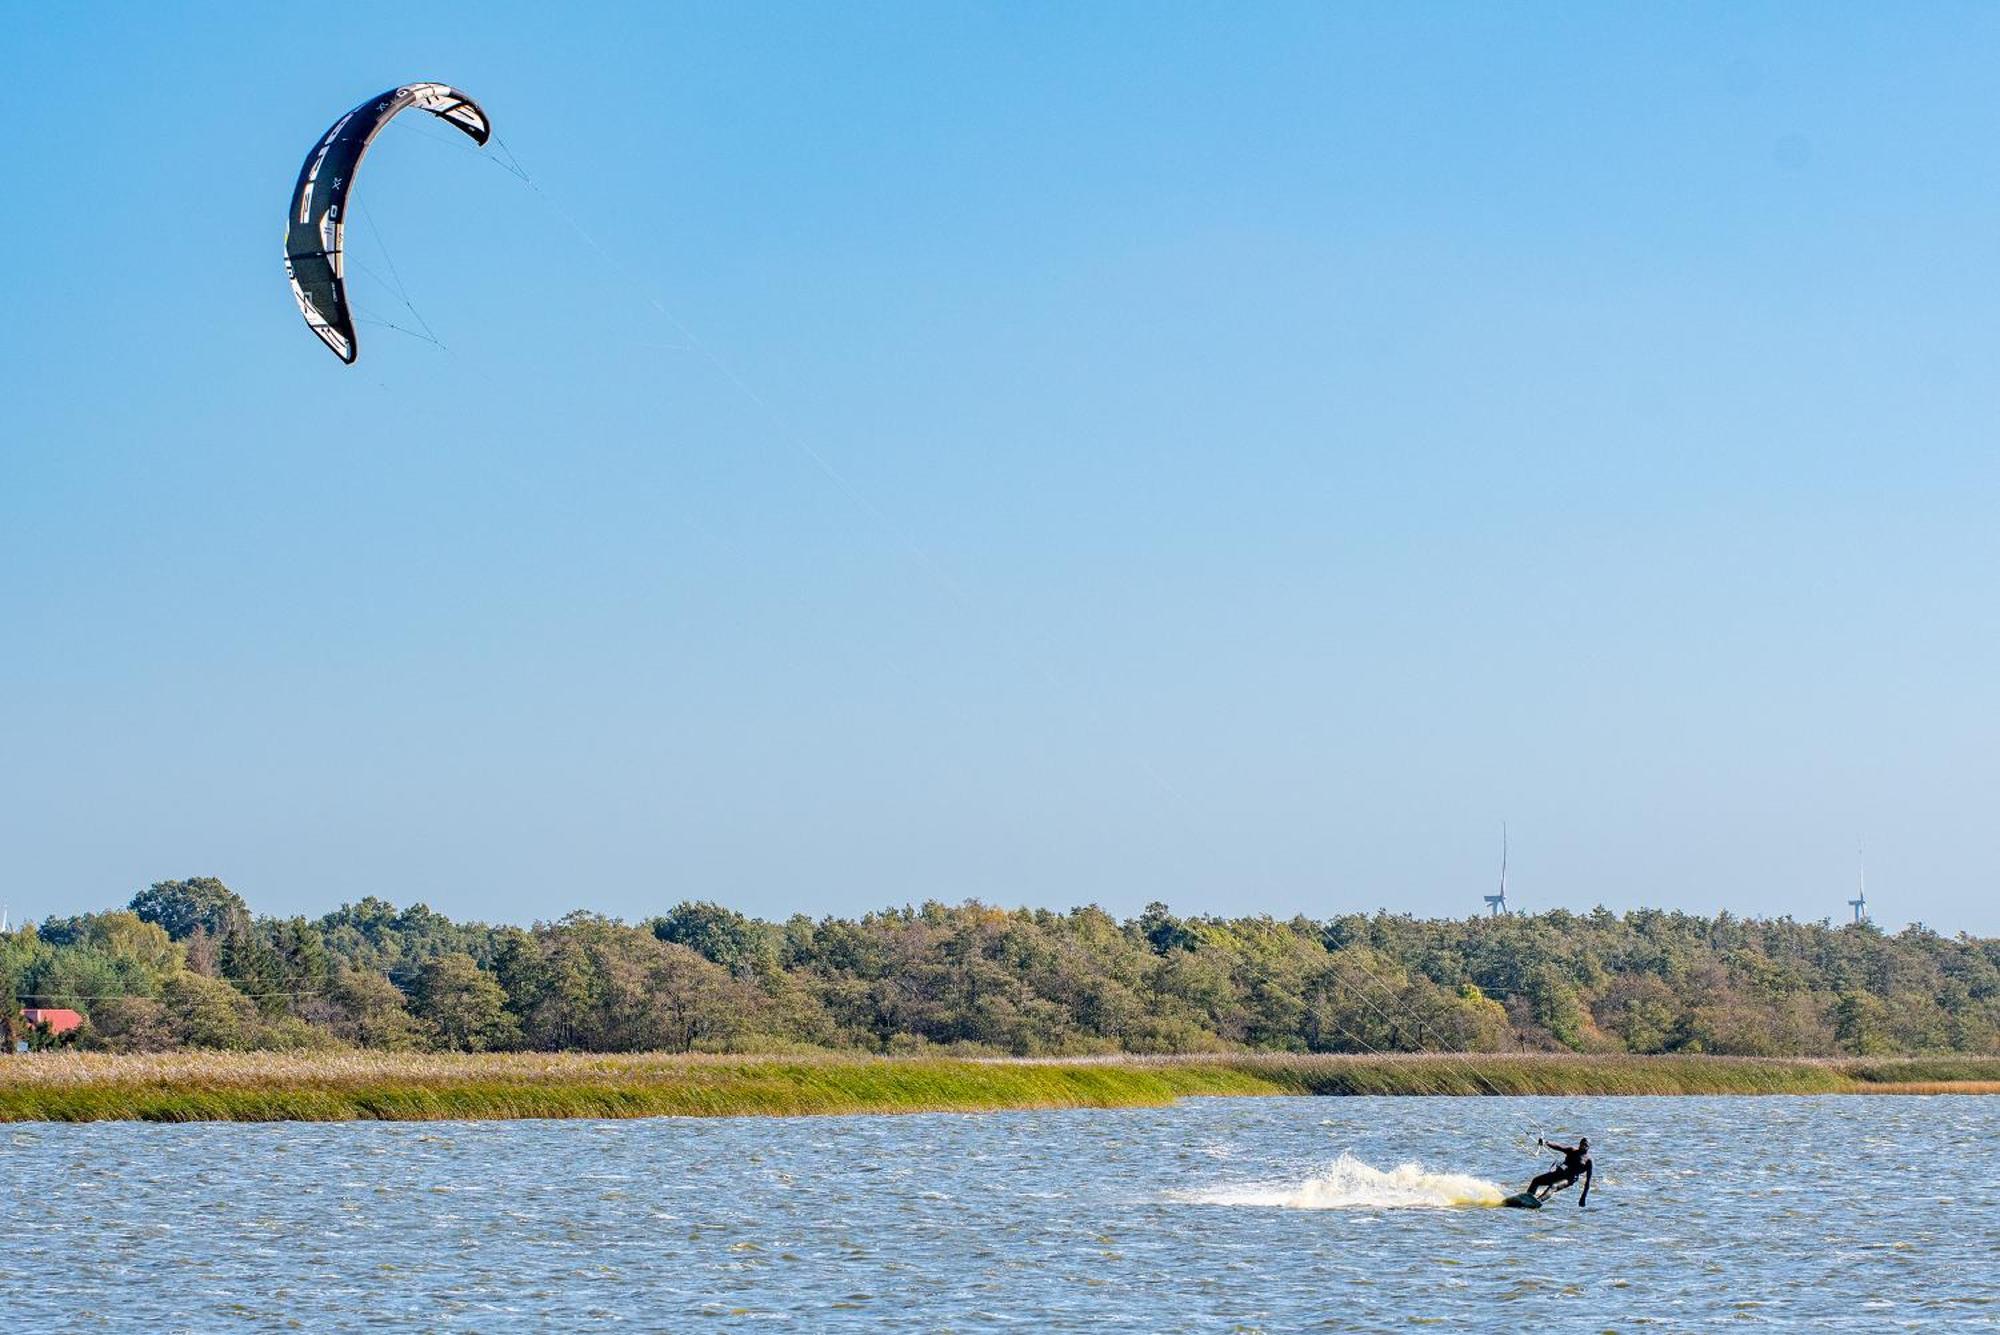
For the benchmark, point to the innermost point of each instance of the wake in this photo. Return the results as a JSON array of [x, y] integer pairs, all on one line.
[[1349, 1184]]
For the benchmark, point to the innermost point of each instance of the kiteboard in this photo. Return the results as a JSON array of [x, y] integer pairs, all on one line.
[[1524, 1201]]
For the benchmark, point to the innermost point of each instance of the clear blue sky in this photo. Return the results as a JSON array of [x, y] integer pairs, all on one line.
[[1274, 446]]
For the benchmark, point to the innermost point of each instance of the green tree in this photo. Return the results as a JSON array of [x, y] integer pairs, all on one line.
[[182, 906], [744, 947], [464, 1004], [208, 1013], [1641, 1010], [247, 960], [1555, 1006], [362, 1007], [145, 946], [691, 999], [75, 977], [304, 966], [131, 1024], [1163, 931]]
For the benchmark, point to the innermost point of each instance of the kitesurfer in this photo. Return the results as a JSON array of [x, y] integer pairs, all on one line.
[[1575, 1164]]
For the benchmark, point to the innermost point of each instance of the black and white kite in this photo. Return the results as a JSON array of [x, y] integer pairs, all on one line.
[[317, 221]]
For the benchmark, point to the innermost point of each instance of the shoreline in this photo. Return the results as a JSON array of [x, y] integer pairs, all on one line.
[[267, 1087]]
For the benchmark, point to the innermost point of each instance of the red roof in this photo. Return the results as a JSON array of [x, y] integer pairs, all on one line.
[[58, 1021]]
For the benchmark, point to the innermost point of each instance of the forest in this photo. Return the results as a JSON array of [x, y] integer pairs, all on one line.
[[187, 964]]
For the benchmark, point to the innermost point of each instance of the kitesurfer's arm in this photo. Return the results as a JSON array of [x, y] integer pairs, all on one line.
[[1559, 1149], [1584, 1195]]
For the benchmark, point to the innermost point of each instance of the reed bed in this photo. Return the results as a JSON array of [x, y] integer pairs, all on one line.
[[209, 1086], [1934, 1087]]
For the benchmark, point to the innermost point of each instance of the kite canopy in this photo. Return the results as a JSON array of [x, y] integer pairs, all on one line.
[[318, 217]]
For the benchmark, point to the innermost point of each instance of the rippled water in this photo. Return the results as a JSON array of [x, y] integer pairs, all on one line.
[[1857, 1213]]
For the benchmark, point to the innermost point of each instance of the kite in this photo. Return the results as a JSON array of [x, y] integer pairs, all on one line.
[[317, 218]]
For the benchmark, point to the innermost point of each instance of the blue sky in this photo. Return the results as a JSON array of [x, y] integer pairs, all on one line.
[[1264, 449]]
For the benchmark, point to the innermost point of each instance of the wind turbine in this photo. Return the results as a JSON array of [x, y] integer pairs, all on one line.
[[1860, 901], [1498, 903]]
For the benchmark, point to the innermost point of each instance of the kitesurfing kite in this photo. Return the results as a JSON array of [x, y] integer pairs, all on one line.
[[317, 220]]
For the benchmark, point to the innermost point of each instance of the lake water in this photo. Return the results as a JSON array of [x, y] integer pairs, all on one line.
[[1218, 1214]]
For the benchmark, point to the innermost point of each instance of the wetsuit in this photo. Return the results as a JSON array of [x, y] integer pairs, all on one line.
[[1575, 1164]]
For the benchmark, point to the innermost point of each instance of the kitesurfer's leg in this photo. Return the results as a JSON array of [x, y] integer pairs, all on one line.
[[1544, 1184]]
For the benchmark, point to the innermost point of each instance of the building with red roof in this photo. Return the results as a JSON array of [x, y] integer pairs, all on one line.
[[58, 1020]]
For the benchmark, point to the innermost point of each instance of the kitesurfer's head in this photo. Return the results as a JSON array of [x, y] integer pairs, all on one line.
[[1583, 1142]]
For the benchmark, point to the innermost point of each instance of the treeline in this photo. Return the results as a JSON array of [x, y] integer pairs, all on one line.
[[188, 965]]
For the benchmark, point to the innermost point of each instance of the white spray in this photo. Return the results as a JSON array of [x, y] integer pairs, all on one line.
[[1349, 1184]]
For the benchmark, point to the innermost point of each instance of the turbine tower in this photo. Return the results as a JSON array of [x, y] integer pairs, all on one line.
[[1860, 901], [1497, 904]]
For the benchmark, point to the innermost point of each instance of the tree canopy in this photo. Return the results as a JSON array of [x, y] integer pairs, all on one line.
[[188, 964]]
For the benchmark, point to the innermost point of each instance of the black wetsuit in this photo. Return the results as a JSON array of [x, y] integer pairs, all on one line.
[[1575, 1164]]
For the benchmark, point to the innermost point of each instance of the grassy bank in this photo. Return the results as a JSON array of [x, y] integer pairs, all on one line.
[[258, 1087]]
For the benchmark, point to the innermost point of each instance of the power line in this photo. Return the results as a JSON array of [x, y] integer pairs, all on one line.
[[140, 996]]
